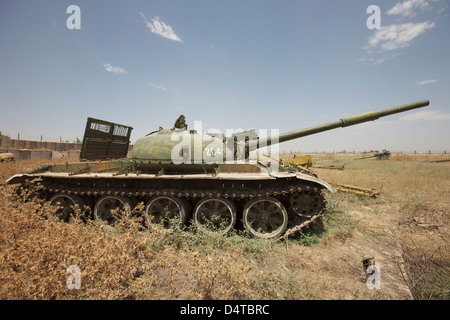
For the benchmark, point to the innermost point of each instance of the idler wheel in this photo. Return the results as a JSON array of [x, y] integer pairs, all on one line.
[[68, 205], [215, 215], [168, 211], [265, 218], [111, 208]]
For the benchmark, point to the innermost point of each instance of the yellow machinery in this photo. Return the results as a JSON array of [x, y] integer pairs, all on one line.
[[357, 190], [6, 157], [305, 162]]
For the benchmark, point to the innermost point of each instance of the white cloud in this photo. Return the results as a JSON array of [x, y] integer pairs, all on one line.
[[396, 36], [428, 115], [379, 61], [407, 8], [110, 68], [157, 86], [158, 27], [393, 37], [421, 83]]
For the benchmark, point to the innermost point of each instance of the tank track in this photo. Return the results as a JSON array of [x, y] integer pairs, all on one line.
[[296, 223], [300, 226]]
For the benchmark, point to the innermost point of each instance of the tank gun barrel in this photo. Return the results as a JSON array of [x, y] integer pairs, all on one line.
[[344, 122]]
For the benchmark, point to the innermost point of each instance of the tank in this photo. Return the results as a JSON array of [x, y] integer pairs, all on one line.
[[182, 176], [383, 155]]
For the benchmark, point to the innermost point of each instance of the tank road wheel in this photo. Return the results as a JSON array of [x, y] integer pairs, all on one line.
[[166, 210], [68, 205], [215, 215], [307, 202], [110, 208], [265, 218]]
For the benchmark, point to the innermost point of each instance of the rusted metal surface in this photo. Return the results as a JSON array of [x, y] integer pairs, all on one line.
[[300, 226], [356, 190], [7, 157], [303, 161]]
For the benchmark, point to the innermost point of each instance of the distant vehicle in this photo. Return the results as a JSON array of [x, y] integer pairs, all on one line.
[[383, 155], [7, 157]]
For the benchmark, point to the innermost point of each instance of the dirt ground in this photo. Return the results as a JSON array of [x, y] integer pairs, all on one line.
[[405, 229], [342, 262]]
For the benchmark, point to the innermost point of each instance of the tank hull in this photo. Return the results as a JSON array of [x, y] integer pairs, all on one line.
[[243, 187]]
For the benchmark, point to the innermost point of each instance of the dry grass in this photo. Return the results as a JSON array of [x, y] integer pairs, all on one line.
[[408, 221], [415, 192]]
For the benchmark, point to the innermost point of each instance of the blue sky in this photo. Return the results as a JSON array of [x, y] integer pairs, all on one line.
[[232, 64]]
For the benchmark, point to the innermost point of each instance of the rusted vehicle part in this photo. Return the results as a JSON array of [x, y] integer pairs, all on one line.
[[7, 157], [303, 161], [331, 166], [356, 190]]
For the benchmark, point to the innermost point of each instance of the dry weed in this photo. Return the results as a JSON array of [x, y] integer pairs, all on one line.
[[129, 262]]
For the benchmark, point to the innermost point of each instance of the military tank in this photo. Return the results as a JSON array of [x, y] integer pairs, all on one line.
[[184, 176]]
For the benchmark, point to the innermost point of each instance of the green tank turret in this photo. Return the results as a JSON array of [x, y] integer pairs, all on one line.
[[189, 146], [184, 176]]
